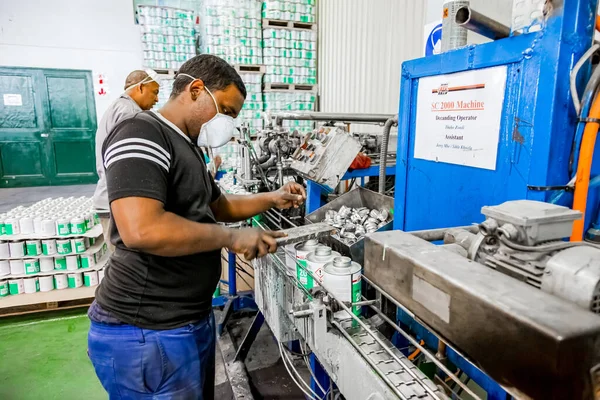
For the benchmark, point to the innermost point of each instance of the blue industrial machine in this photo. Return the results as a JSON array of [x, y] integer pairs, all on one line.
[[506, 303], [537, 126]]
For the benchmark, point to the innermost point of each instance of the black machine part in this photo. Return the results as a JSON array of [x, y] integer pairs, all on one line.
[[522, 337]]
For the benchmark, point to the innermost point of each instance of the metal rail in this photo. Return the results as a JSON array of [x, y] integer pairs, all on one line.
[[341, 117]]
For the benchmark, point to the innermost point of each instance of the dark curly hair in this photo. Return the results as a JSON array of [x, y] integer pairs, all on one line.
[[215, 72]]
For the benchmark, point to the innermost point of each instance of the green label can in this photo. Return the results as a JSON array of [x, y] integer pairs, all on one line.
[[64, 247], [78, 245], [60, 281], [63, 226], [31, 285], [89, 221], [342, 277], [32, 266], [87, 261], [72, 263], [315, 262], [15, 286], [77, 226], [75, 280], [60, 263], [91, 241], [3, 288], [49, 247], [34, 248], [90, 278], [2, 230], [46, 283]]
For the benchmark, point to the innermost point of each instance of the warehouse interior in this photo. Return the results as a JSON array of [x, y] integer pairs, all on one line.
[[300, 199]]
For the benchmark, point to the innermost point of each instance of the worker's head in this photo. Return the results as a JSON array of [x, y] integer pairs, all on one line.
[[143, 88], [210, 94]]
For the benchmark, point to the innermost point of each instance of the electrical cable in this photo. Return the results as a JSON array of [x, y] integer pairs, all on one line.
[[312, 396], [311, 371], [242, 278], [544, 247], [575, 72], [307, 386]]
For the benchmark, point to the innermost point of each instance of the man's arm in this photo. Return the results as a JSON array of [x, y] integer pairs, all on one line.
[[144, 225], [233, 208]]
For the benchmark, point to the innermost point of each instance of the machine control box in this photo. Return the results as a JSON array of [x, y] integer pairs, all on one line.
[[325, 155], [540, 221]]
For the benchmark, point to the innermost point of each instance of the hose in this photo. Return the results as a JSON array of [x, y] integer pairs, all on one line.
[[384, 150], [586, 103], [575, 72], [584, 167]]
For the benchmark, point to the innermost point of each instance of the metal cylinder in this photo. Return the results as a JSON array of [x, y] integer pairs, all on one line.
[[468, 18], [338, 117], [384, 150], [453, 35]]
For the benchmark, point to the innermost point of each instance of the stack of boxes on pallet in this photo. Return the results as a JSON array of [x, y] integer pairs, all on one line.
[[232, 30], [290, 10], [290, 57], [54, 244], [168, 36]]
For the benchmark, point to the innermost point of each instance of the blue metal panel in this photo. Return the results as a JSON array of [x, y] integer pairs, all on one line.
[[536, 132]]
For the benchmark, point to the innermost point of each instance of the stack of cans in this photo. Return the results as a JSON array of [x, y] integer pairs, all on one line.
[[251, 114], [290, 10], [166, 86], [290, 56], [232, 30], [168, 36], [298, 100]]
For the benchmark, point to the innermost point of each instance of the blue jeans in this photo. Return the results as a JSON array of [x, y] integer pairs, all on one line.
[[135, 363]]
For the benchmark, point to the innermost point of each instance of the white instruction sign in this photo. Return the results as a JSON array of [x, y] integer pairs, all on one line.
[[458, 117], [13, 100]]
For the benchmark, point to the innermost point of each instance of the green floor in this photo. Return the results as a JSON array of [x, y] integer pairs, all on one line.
[[44, 357]]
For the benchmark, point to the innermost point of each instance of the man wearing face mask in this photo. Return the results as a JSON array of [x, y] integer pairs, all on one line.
[[141, 93], [152, 333]]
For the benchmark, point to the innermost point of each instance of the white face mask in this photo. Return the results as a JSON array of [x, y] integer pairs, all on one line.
[[218, 130]]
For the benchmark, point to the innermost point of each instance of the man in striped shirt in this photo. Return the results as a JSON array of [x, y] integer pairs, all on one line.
[[152, 333]]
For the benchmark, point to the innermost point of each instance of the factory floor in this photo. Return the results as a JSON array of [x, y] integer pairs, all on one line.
[[44, 355]]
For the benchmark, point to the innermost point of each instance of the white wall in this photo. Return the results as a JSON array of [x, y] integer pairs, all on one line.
[[96, 35], [362, 44]]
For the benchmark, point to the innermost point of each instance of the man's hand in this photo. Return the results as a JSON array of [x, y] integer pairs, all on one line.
[[289, 195], [254, 243]]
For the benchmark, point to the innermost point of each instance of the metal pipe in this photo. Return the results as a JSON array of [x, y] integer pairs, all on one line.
[[387, 128], [479, 23], [320, 116], [433, 235]]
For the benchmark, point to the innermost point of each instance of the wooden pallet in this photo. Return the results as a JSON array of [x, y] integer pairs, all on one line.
[[279, 23], [287, 87], [169, 72], [250, 68], [47, 301]]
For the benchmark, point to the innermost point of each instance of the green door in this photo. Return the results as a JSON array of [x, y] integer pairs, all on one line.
[[47, 126]]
